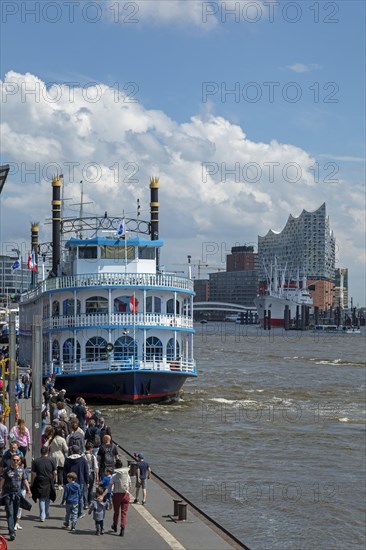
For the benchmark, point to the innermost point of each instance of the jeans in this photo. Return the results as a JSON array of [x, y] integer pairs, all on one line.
[[99, 526], [82, 498], [44, 504], [26, 390], [120, 501], [11, 507], [71, 513], [90, 487]]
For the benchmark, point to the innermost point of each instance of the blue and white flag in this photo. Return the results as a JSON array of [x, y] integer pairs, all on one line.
[[16, 265], [121, 229]]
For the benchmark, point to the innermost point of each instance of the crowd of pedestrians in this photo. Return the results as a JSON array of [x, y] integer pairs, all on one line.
[[78, 459]]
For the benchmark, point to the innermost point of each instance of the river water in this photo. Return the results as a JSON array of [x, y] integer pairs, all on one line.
[[269, 440]]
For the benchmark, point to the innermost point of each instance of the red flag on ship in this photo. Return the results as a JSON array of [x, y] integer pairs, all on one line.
[[134, 303], [32, 262]]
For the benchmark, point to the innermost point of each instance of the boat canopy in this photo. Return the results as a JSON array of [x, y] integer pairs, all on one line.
[[105, 241]]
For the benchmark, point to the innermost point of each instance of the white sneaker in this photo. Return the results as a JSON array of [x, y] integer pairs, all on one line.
[[17, 526]]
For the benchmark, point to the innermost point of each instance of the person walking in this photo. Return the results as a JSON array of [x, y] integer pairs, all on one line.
[[93, 470], [71, 499], [142, 475], [98, 507], [23, 491], [58, 451], [10, 490], [80, 410], [26, 380], [78, 464], [93, 434], [76, 437], [9, 453], [120, 484], [107, 455], [20, 433], [43, 478]]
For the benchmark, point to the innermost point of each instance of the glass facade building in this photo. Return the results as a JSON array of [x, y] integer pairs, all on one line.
[[306, 243]]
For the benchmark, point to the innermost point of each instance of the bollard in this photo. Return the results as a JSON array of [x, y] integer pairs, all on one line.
[[133, 467], [182, 511], [176, 502]]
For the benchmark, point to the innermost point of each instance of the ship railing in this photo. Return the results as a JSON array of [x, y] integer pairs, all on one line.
[[154, 364], [110, 280], [118, 320]]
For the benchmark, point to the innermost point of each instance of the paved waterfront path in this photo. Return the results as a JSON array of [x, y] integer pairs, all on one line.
[[147, 526]]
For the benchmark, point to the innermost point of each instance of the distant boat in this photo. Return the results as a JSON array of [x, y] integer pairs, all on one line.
[[335, 329], [350, 329]]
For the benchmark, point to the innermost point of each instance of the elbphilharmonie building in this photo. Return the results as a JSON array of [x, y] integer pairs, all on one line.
[[306, 243]]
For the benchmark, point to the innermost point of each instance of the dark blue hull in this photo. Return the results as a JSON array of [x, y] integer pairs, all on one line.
[[123, 387]]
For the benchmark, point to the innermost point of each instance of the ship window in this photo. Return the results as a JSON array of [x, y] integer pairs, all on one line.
[[88, 252], [147, 252], [95, 349], [68, 307], [96, 304], [124, 348], [170, 355], [117, 252], [170, 306], [153, 304], [154, 349], [55, 352], [68, 351]]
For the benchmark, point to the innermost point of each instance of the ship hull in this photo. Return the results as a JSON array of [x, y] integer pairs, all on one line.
[[277, 308], [131, 387]]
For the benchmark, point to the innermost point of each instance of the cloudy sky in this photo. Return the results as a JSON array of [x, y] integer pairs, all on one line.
[[247, 111]]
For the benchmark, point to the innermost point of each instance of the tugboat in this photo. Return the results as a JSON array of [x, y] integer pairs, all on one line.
[[116, 328]]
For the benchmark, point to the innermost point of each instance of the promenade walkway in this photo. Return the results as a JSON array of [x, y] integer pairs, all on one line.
[[148, 527]]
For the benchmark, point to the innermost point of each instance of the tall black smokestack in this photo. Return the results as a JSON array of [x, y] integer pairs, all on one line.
[[56, 224], [34, 241], [154, 213]]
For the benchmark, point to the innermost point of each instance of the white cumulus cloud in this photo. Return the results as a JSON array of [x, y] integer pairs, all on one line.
[[216, 184]]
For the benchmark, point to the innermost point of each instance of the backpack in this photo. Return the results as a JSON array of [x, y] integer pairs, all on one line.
[[25, 378], [76, 439], [108, 455], [97, 441]]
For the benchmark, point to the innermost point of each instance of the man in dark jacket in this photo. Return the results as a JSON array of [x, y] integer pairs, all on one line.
[[43, 475], [11, 482], [79, 465]]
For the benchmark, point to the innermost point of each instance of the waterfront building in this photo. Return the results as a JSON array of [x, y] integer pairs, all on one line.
[[12, 281], [237, 285], [307, 244], [322, 293]]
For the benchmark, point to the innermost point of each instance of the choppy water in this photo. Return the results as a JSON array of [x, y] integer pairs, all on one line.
[[269, 440]]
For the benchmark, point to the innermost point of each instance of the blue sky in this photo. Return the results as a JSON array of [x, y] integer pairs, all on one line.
[[173, 54]]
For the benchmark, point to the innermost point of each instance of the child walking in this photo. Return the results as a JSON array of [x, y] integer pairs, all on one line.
[[105, 483], [71, 498], [98, 508]]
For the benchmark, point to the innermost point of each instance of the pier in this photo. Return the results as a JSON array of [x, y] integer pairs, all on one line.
[[152, 526]]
